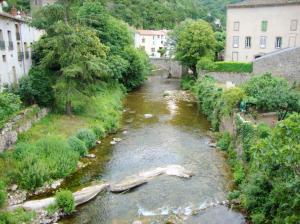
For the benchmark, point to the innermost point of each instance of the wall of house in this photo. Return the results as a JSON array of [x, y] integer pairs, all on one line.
[[15, 61], [285, 63], [150, 43], [279, 25]]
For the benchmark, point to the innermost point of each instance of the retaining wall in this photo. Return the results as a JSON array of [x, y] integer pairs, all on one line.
[[20, 123]]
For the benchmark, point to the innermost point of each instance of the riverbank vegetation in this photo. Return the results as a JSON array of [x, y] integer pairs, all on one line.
[[265, 161], [83, 66]]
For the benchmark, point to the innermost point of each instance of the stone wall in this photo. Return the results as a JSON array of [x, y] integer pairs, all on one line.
[[20, 123], [284, 63], [175, 68], [223, 77]]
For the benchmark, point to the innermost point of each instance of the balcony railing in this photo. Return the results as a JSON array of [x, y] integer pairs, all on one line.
[[26, 54], [2, 45], [20, 56], [10, 45], [18, 36]]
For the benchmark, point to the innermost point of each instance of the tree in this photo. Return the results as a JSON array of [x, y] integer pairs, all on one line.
[[195, 41], [76, 57]]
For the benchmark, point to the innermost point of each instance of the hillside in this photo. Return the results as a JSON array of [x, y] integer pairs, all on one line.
[[158, 14]]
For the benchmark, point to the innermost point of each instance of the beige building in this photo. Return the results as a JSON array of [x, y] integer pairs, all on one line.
[[16, 39], [257, 27], [152, 41]]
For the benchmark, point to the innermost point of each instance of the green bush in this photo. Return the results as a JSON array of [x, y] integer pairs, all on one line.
[[2, 193], [224, 142], [231, 99], [10, 104], [87, 136], [268, 93], [187, 82], [65, 201], [49, 158], [99, 131], [16, 217], [77, 145], [225, 66]]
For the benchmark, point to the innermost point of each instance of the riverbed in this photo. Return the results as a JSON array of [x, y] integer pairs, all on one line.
[[175, 134]]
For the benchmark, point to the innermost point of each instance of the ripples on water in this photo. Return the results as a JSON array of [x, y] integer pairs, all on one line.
[[176, 134]]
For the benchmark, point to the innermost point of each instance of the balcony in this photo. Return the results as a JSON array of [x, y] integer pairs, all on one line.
[[2, 45], [18, 36], [10, 45], [26, 54], [20, 56]]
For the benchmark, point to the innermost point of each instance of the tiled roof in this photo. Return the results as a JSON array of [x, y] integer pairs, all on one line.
[[9, 16], [152, 32], [259, 3]]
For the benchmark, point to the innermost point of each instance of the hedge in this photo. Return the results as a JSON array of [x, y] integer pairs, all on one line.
[[225, 66]]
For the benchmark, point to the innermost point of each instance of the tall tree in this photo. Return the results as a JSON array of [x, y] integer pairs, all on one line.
[[195, 40]]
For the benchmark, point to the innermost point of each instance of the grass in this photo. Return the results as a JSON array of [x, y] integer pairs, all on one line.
[[239, 67], [102, 112]]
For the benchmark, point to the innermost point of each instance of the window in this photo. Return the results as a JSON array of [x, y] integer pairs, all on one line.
[[18, 36], [235, 42], [143, 40], [4, 58], [236, 26], [162, 42], [263, 42], [264, 26], [294, 25], [158, 36], [152, 49], [26, 50], [10, 43], [2, 43], [248, 42], [278, 42]]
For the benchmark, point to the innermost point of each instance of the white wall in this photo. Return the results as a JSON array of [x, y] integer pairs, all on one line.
[[151, 43], [279, 21], [28, 35]]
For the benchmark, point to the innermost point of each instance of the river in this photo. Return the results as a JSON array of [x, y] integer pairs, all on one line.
[[176, 134]]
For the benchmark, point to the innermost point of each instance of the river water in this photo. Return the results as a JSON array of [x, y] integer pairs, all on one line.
[[176, 134]]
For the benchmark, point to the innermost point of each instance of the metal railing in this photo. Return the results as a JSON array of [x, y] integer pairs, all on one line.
[[20, 56], [10, 45], [2, 45]]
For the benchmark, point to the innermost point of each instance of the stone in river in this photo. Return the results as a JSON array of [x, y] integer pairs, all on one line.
[[113, 142], [148, 116], [91, 156]]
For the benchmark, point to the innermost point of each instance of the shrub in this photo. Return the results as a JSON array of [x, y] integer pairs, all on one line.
[[10, 104], [231, 99], [187, 82], [224, 142], [16, 217], [87, 136], [268, 93], [239, 67], [49, 158], [65, 201], [99, 131], [2, 193], [77, 145]]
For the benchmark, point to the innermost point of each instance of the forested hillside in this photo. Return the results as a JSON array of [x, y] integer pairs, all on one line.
[[158, 14]]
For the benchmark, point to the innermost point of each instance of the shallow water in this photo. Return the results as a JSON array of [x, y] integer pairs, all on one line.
[[176, 134]]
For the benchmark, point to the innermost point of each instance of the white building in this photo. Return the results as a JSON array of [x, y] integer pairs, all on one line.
[[152, 41], [16, 38], [257, 27]]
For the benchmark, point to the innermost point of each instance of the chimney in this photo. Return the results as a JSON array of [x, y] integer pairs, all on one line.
[[13, 11]]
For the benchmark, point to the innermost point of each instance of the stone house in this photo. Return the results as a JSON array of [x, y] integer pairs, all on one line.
[[258, 27]]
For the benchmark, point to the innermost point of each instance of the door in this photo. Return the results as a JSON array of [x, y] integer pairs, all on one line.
[[235, 56], [292, 41]]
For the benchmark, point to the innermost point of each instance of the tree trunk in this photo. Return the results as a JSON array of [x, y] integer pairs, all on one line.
[[68, 107], [194, 70]]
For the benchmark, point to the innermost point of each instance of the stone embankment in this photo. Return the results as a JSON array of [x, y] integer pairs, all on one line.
[[21, 123]]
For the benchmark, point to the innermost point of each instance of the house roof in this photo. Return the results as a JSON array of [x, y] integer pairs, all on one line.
[[262, 3], [152, 32], [9, 16]]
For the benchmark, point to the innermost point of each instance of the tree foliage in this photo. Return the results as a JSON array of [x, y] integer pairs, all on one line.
[[195, 41]]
